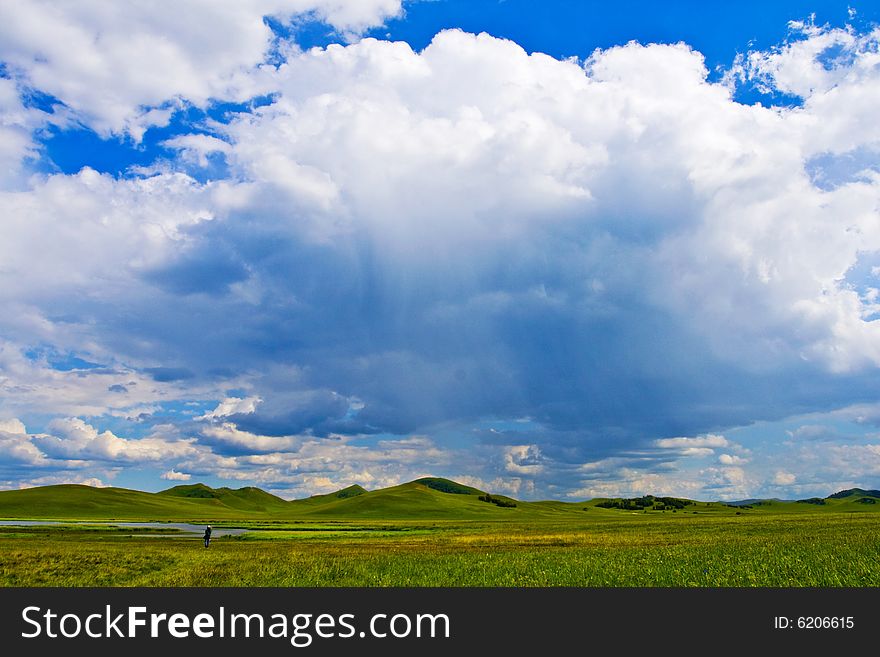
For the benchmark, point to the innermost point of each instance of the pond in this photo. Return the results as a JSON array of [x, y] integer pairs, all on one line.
[[182, 527]]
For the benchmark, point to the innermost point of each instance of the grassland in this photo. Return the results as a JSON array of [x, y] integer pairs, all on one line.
[[761, 550], [408, 536]]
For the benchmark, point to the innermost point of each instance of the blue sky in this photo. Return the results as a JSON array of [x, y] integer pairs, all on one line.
[[557, 249]]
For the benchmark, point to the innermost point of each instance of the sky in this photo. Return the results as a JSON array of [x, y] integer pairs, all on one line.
[[552, 250]]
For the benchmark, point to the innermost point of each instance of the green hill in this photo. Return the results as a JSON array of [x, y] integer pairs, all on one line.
[[854, 492], [195, 502], [72, 501], [192, 491], [417, 499], [434, 498], [245, 499], [345, 493], [447, 486], [428, 498]]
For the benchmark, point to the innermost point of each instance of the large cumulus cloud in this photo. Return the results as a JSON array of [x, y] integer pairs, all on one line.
[[612, 251], [613, 245]]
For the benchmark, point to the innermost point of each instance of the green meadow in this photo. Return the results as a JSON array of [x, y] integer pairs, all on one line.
[[433, 532]]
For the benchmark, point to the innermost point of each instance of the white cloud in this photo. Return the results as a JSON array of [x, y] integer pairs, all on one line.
[[728, 482], [628, 482], [173, 475], [111, 65], [305, 465], [631, 476], [227, 434], [856, 462], [708, 442], [814, 432], [835, 71], [795, 68], [17, 124], [196, 148], [368, 103], [33, 386], [668, 469], [507, 485], [68, 232], [232, 406], [783, 478], [72, 438], [51, 480], [523, 460], [13, 426], [15, 444]]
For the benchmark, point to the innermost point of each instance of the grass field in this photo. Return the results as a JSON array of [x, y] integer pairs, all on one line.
[[437, 533], [768, 550]]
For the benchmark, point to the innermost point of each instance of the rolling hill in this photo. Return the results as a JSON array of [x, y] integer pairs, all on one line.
[[70, 501], [243, 499], [854, 492], [432, 498], [428, 498]]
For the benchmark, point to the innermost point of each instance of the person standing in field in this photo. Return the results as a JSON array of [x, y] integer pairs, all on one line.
[[207, 535]]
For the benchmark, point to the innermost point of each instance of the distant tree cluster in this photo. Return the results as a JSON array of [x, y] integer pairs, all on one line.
[[812, 500], [646, 502], [497, 501]]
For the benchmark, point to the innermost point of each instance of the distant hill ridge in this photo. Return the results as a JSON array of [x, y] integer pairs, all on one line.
[[447, 486], [432, 498], [345, 493], [201, 491], [854, 492], [428, 497]]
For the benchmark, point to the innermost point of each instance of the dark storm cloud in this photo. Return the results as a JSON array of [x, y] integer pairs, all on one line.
[[168, 374]]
